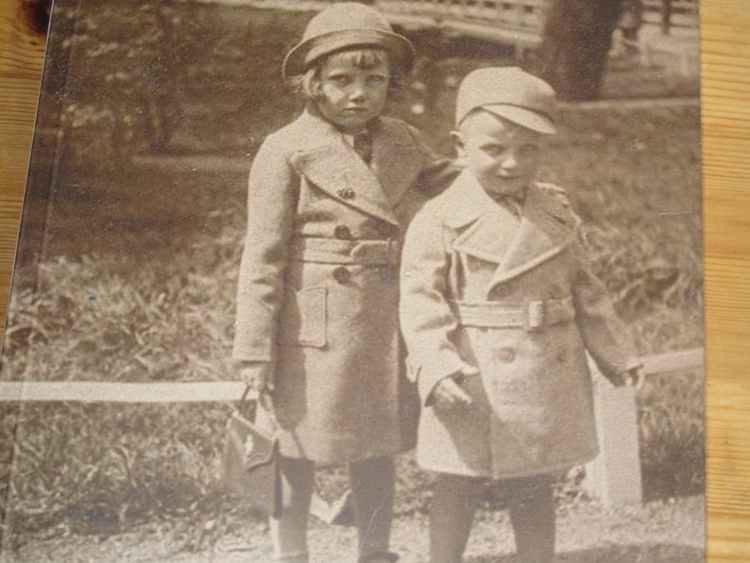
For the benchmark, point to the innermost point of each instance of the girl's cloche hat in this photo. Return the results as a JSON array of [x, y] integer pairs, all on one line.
[[346, 25]]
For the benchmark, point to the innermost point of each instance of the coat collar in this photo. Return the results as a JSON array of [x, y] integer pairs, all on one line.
[[493, 233], [325, 158]]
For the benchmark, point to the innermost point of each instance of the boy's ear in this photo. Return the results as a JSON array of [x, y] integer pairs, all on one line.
[[459, 142]]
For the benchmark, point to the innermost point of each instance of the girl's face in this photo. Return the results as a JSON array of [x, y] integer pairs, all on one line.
[[350, 96]]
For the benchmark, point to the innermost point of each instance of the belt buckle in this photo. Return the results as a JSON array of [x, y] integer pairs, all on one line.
[[535, 315]]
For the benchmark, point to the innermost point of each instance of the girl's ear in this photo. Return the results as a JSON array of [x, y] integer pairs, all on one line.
[[310, 83]]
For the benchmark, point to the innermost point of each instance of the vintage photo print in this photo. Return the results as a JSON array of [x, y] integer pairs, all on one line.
[[323, 282]]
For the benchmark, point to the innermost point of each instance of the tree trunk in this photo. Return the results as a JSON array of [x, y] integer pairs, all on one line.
[[577, 38]]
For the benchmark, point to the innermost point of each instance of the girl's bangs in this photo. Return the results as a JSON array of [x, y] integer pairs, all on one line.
[[364, 59]]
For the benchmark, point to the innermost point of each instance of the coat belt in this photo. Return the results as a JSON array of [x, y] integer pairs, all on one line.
[[497, 314], [335, 251]]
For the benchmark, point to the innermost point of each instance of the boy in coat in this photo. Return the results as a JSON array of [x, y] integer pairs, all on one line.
[[330, 196], [498, 308]]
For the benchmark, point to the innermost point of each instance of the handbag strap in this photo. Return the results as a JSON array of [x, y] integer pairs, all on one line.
[[262, 399]]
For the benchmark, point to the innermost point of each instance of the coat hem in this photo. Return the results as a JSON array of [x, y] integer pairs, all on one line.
[[560, 467], [336, 453]]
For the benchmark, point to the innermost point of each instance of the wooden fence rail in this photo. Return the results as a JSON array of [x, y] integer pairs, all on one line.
[[208, 391], [615, 476]]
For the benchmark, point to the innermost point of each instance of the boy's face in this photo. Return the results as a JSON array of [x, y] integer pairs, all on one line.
[[504, 157], [350, 96]]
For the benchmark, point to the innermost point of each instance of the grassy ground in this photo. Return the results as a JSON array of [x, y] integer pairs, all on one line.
[[656, 532]]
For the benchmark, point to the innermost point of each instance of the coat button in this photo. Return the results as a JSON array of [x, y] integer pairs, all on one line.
[[505, 355], [341, 275], [556, 292], [342, 232], [346, 193]]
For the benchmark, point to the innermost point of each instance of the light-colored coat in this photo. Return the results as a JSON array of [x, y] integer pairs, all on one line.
[[318, 287], [511, 304]]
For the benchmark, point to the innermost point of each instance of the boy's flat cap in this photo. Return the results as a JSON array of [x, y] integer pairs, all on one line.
[[510, 93], [347, 25]]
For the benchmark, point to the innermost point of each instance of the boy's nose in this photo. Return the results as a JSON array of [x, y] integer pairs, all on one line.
[[510, 161]]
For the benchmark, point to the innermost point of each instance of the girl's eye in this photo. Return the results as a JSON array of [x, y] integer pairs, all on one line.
[[339, 79]]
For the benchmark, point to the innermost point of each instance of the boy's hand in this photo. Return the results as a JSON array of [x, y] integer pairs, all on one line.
[[258, 375], [448, 393], [635, 378]]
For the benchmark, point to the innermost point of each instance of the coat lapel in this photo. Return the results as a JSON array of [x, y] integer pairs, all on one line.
[[330, 163], [489, 228], [547, 227]]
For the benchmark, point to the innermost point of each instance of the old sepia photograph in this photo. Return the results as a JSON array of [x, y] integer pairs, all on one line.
[[333, 281]]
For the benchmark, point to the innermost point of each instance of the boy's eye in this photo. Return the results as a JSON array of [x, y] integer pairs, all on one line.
[[529, 150], [493, 150], [376, 80]]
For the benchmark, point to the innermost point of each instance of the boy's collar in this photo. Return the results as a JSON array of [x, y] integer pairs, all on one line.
[[468, 200]]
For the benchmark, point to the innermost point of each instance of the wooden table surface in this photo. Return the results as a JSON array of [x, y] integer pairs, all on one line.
[[725, 67]]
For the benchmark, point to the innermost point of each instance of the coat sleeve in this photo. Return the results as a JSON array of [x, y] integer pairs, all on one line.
[[426, 318], [271, 203], [604, 336], [438, 172]]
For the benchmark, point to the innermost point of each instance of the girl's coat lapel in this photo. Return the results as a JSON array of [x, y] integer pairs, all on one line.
[[493, 234], [323, 156]]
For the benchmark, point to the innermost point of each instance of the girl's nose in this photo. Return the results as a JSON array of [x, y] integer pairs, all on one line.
[[358, 92]]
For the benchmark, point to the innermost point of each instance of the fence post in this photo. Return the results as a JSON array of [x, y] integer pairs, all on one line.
[[615, 475]]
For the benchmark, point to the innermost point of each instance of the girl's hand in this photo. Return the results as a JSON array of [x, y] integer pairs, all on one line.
[[448, 393], [635, 377], [258, 375]]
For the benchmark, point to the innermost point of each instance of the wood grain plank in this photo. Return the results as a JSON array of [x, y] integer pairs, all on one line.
[[725, 68], [21, 59]]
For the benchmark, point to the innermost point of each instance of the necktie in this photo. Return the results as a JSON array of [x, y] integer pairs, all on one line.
[[514, 203], [363, 145]]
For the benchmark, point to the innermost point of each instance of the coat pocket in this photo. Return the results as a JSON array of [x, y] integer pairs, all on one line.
[[305, 321]]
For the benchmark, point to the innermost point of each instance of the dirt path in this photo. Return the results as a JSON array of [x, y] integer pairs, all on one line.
[[656, 532]]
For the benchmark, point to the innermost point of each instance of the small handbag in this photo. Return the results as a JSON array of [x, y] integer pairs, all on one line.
[[251, 455]]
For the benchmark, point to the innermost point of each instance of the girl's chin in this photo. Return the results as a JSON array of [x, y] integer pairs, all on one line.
[[506, 190]]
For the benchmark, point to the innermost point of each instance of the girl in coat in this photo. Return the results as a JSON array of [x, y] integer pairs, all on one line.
[[498, 308], [317, 315]]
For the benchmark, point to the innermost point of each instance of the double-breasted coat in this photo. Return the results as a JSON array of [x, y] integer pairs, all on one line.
[[511, 304], [318, 285]]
